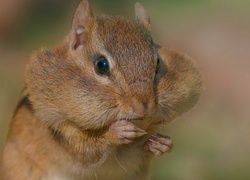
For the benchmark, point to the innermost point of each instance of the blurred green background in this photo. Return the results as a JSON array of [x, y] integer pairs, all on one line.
[[211, 142]]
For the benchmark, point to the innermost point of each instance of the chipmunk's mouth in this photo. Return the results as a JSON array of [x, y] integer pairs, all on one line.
[[146, 123], [132, 119]]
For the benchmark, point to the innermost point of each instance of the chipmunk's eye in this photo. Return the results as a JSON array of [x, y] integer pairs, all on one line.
[[102, 66]]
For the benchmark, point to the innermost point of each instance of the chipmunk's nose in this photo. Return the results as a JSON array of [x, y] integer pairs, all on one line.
[[141, 108], [142, 97]]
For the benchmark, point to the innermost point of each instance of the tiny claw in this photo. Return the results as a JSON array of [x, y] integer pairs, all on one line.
[[158, 144]]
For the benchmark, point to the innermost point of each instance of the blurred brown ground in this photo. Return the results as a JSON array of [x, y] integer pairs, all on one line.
[[211, 142]]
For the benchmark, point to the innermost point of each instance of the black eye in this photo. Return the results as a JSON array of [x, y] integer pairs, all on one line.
[[102, 66]]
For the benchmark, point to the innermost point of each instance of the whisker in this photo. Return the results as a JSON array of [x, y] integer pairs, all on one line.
[[96, 176], [120, 164]]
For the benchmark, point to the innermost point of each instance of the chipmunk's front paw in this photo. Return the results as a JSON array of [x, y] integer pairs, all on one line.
[[158, 144], [125, 131]]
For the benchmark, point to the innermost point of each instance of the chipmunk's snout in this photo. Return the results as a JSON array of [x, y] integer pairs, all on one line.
[[142, 108], [142, 98]]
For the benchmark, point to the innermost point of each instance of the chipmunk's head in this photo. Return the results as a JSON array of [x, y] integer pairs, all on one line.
[[120, 59], [108, 69]]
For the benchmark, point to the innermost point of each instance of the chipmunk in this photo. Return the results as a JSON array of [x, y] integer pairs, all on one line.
[[93, 105]]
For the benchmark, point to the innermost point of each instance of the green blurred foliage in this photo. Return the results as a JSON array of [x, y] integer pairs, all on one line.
[[212, 142]]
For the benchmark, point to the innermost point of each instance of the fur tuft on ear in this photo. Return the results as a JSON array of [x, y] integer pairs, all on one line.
[[142, 15], [82, 24]]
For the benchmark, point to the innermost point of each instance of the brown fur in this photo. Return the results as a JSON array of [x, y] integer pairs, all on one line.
[[71, 122]]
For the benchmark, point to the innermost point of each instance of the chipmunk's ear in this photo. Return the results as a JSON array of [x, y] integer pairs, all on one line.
[[142, 15], [82, 24]]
